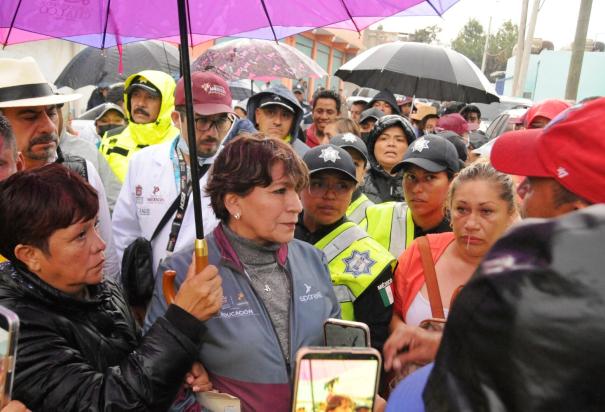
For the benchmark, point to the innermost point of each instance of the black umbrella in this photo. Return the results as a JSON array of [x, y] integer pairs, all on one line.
[[92, 66], [242, 89], [419, 69]]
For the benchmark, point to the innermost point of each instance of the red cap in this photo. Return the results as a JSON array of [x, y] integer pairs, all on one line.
[[548, 108], [211, 94], [454, 122], [570, 149]]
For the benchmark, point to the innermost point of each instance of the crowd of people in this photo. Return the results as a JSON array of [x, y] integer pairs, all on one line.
[[392, 212]]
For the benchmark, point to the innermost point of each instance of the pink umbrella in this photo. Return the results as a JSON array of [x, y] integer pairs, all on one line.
[[257, 60]]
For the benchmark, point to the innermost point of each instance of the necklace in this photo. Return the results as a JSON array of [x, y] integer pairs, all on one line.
[[266, 286]]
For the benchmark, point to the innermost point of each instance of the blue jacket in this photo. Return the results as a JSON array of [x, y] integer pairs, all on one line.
[[240, 349]]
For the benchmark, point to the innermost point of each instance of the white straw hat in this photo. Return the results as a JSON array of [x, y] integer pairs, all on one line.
[[23, 84]]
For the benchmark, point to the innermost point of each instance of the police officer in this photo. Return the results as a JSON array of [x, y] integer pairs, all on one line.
[[361, 269], [359, 152], [429, 166]]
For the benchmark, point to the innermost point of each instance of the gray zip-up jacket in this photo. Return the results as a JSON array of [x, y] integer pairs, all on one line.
[[240, 349]]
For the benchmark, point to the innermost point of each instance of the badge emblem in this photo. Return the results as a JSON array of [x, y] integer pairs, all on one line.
[[359, 263], [329, 154], [420, 145]]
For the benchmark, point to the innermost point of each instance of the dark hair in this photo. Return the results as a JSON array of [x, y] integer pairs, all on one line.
[[245, 163], [36, 203], [562, 195], [7, 135], [426, 118], [483, 170], [328, 94], [452, 107], [346, 125], [468, 109]]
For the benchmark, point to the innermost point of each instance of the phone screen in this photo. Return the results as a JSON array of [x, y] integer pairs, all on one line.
[[336, 384], [342, 335]]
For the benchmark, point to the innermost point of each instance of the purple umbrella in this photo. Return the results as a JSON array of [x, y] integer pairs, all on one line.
[[106, 23], [257, 60]]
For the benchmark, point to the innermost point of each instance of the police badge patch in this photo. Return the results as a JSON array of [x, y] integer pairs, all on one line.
[[359, 263]]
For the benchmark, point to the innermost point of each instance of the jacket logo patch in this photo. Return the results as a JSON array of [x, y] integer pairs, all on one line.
[[359, 263], [309, 295], [235, 306]]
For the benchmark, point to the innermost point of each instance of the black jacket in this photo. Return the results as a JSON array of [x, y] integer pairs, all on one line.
[[87, 354]]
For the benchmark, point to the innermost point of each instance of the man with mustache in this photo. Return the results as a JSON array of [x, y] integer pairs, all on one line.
[[30, 106], [149, 102], [160, 174]]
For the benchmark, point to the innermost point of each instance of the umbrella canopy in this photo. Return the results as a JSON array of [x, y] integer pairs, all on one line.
[[105, 23], [257, 60], [419, 69], [242, 89], [92, 66]]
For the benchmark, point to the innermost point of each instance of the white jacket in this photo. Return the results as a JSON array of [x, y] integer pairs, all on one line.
[[148, 191]]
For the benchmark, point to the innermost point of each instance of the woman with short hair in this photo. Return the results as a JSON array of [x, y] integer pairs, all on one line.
[[277, 290], [79, 347]]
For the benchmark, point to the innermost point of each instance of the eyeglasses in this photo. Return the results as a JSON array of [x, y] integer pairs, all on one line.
[[319, 188], [222, 123]]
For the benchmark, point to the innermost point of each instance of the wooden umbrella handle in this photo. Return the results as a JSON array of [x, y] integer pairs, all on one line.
[[201, 261]]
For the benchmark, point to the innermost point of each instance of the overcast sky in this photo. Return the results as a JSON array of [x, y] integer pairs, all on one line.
[[556, 20]]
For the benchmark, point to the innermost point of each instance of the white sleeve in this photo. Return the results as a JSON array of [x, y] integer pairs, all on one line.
[[112, 264], [125, 222]]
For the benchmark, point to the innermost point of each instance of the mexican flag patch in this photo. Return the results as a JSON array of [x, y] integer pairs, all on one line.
[[386, 292]]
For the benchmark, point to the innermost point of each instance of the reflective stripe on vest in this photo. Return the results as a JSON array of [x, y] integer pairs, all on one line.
[[357, 210], [402, 229], [342, 241], [344, 294]]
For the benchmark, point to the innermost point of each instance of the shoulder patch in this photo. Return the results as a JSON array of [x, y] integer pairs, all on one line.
[[359, 263]]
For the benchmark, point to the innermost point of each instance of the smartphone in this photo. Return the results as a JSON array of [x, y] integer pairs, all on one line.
[[339, 332], [333, 378], [9, 331]]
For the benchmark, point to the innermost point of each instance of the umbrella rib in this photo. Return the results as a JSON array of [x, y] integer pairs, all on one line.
[[350, 16], [106, 24], [10, 29], [269, 19], [434, 8]]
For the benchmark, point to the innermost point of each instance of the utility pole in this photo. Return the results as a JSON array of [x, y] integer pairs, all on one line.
[[489, 28], [577, 54], [527, 47], [519, 51]]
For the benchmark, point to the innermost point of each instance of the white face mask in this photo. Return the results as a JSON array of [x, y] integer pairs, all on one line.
[[473, 126]]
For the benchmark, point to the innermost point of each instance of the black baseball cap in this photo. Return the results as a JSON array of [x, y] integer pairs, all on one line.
[[371, 113], [330, 157], [432, 153], [298, 89], [275, 100], [141, 82], [349, 140]]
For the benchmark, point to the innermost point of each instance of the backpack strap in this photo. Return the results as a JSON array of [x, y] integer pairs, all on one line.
[[430, 278]]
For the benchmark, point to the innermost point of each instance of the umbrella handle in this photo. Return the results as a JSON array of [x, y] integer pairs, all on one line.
[[201, 261]]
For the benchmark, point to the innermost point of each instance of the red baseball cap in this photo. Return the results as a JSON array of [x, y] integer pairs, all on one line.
[[548, 109], [211, 94], [570, 149], [453, 122]]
